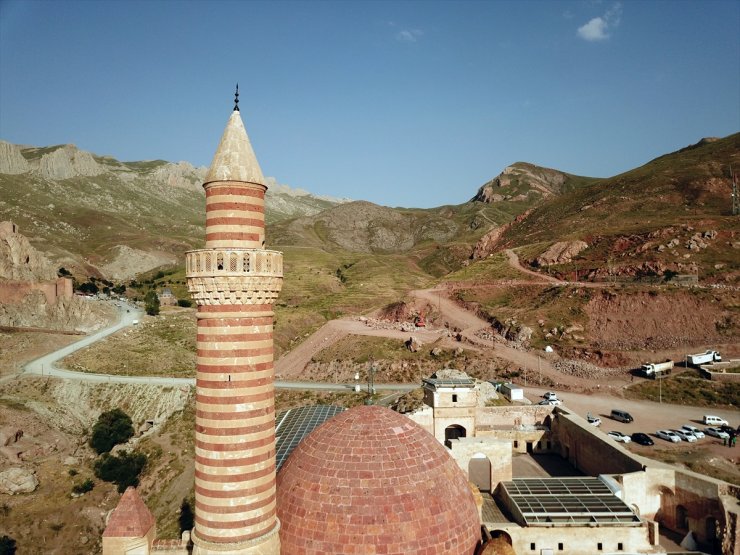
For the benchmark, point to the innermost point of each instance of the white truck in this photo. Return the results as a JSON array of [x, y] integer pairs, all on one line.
[[706, 357], [655, 370]]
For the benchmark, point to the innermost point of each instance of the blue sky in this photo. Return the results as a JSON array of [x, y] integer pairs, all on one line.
[[400, 103]]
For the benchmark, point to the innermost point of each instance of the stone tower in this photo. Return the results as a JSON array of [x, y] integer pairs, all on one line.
[[234, 282]]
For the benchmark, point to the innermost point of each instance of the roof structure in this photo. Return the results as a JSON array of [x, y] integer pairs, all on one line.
[[234, 159], [450, 382], [371, 480], [292, 425], [568, 501], [131, 518]]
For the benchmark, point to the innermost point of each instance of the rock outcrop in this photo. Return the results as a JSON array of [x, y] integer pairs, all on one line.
[[518, 180], [12, 161], [180, 174], [67, 162], [19, 260], [18, 480], [561, 252]]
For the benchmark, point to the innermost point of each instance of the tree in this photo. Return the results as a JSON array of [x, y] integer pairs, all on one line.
[[186, 519], [122, 469], [151, 303], [184, 303], [113, 427]]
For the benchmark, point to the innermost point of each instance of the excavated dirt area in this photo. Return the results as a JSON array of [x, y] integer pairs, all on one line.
[[662, 319]]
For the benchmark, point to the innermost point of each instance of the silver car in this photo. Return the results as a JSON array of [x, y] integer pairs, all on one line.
[[716, 432], [668, 436], [698, 434], [685, 435]]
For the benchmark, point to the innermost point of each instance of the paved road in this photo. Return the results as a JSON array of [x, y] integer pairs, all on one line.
[[46, 365]]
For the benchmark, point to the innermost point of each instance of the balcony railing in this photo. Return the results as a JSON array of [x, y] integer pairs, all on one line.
[[233, 263]]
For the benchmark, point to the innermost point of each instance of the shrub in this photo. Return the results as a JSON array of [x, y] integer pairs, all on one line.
[[7, 545], [113, 427], [123, 469], [151, 303], [72, 472], [184, 303], [84, 487]]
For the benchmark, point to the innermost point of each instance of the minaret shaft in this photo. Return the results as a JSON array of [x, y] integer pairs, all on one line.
[[235, 281]]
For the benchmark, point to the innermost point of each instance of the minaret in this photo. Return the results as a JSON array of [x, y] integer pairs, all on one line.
[[235, 282]]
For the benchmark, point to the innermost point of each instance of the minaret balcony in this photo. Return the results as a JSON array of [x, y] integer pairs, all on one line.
[[233, 263], [234, 276]]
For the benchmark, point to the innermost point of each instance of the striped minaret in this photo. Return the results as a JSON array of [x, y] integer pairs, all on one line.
[[235, 281]]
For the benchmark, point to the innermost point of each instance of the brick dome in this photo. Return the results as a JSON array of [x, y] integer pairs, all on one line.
[[371, 481]]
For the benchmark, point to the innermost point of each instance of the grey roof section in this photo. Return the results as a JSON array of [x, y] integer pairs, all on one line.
[[234, 159], [573, 501], [292, 425], [450, 382]]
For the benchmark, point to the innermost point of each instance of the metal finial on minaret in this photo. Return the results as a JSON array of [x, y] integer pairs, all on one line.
[[236, 98]]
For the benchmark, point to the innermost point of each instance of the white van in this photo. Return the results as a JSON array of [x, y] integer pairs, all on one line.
[[714, 420], [622, 416]]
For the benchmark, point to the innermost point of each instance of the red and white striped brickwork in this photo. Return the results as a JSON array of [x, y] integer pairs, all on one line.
[[235, 281]]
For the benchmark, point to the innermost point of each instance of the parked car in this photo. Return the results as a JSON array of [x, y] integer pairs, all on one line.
[[550, 396], [685, 435], [642, 439], [716, 432], [714, 420], [593, 420], [727, 429], [553, 402], [698, 434], [668, 436], [622, 416], [620, 437]]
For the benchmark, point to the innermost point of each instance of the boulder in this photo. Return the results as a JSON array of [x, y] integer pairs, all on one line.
[[561, 252], [18, 480]]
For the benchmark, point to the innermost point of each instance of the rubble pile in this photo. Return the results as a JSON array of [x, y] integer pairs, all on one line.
[[585, 370]]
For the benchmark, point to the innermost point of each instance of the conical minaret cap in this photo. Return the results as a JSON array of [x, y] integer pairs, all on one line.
[[234, 159]]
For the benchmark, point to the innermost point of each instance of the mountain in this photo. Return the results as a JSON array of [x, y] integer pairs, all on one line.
[[99, 216], [672, 214]]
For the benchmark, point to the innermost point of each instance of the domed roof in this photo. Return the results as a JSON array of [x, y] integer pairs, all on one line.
[[372, 481]]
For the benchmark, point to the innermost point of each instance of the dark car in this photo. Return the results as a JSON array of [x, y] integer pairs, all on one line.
[[642, 439], [728, 429]]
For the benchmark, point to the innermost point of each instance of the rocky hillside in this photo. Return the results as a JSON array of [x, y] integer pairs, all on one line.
[[670, 216], [522, 181], [98, 216]]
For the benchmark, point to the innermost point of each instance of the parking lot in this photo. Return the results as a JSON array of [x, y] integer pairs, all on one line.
[[649, 417]]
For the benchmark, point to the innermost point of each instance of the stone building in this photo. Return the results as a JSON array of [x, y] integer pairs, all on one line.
[[167, 297]]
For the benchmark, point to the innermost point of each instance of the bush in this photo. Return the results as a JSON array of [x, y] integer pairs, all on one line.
[[151, 303], [84, 487], [7, 545], [113, 427], [88, 287], [122, 469], [184, 303]]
